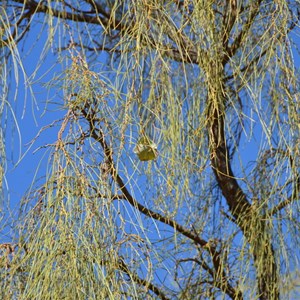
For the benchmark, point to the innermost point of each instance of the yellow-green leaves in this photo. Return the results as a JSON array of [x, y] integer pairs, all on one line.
[[146, 149]]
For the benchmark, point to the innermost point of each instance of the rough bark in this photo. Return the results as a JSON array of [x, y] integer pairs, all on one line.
[[251, 223]]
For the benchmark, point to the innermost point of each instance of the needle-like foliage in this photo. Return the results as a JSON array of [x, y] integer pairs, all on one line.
[[174, 170]]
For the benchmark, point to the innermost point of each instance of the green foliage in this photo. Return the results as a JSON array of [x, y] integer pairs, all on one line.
[[207, 89]]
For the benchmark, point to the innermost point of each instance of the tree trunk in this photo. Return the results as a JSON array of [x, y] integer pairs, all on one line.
[[248, 220]]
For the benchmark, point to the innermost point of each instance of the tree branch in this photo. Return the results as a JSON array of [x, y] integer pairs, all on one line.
[[98, 135], [220, 276], [236, 199], [123, 267], [274, 210], [40, 7], [230, 51]]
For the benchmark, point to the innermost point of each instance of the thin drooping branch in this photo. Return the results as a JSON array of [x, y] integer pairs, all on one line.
[[40, 7], [224, 286], [108, 20], [123, 267], [254, 10], [97, 134], [221, 280], [274, 210], [284, 154]]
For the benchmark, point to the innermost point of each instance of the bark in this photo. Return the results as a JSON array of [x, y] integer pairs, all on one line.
[[251, 223]]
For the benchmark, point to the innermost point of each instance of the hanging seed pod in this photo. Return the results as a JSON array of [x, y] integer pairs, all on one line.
[[146, 149]]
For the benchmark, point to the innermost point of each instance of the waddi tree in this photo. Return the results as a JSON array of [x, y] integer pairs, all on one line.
[[171, 153]]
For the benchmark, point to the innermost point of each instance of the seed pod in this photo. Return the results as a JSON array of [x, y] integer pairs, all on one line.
[[146, 149]]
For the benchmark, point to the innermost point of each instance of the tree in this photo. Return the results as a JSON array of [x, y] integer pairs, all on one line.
[[215, 216]]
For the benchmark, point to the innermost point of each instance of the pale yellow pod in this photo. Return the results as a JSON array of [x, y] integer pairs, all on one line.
[[146, 149]]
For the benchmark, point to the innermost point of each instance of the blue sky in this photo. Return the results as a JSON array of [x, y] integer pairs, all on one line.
[[30, 108]]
